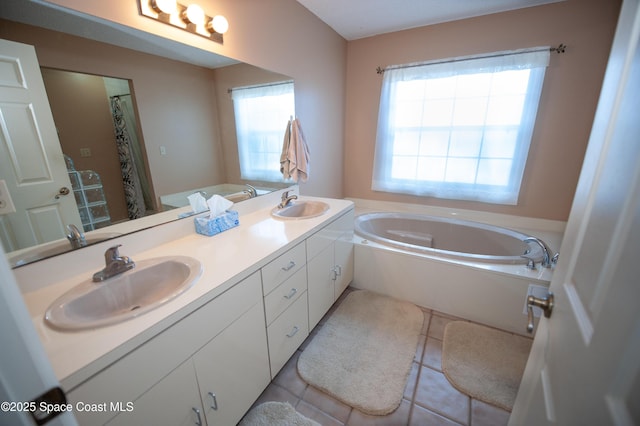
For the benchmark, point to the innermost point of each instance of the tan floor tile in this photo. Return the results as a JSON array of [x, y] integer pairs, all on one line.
[[423, 417], [289, 378], [276, 393], [436, 393], [400, 417], [314, 413], [326, 404], [420, 349], [437, 325], [410, 388], [433, 354], [483, 414]]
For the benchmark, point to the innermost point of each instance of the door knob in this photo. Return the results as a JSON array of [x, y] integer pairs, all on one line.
[[545, 303], [63, 191]]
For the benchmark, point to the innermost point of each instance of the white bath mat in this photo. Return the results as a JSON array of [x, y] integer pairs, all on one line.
[[362, 355], [484, 363], [276, 413]]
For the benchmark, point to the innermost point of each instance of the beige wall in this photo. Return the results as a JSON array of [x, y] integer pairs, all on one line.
[[570, 94], [282, 36]]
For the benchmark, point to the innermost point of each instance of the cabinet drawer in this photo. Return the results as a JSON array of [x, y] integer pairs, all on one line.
[[282, 268], [285, 294], [287, 333]]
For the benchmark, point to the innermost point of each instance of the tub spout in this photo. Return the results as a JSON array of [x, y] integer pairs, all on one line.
[[547, 260]]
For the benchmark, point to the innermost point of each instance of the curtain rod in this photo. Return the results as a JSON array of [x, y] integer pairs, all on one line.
[[560, 49], [279, 83]]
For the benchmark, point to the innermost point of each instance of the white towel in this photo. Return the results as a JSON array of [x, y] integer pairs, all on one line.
[[294, 160]]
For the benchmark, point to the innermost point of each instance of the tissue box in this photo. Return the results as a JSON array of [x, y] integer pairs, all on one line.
[[212, 226]]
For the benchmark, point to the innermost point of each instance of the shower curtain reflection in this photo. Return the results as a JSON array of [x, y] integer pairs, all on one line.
[[136, 185]]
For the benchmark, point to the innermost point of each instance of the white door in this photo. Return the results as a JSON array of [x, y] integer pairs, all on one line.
[[31, 160], [584, 368]]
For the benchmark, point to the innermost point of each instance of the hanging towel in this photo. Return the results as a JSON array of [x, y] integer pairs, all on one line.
[[294, 160]]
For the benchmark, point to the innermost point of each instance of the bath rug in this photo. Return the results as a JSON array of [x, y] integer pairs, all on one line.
[[276, 413], [363, 353], [484, 363]]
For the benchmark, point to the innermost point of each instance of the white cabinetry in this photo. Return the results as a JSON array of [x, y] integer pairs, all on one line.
[[329, 265], [284, 282], [219, 348]]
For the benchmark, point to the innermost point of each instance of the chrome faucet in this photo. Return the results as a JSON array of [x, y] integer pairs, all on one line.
[[253, 193], [115, 264], [75, 237], [286, 199], [547, 260]]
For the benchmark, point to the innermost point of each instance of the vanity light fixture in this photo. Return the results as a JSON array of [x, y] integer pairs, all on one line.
[[191, 18], [164, 6]]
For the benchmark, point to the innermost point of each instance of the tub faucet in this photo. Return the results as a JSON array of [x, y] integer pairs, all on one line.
[[75, 237], [547, 260], [286, 199], [253, 193], [115, 264]]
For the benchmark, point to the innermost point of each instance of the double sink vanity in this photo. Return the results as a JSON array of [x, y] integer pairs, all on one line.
[[197, 330]]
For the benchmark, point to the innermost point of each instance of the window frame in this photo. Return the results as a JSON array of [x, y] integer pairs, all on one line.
[[534, 60]]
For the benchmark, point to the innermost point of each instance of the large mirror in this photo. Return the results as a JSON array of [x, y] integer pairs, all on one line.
[[179, 127]]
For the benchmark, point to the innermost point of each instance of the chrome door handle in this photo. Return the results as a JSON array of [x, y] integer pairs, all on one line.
[[289, 266], [291, 293], [199, 419], [62, 191], [545, 303], [214, 400]]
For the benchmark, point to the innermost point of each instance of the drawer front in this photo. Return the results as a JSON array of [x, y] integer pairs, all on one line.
[[285, 295], [287, 333], [283, 267]]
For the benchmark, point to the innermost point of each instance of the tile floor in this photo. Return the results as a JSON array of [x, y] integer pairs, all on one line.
[[429, 398]]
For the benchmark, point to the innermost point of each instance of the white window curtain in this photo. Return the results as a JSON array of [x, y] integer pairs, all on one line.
[[261, 115], [459, 128]]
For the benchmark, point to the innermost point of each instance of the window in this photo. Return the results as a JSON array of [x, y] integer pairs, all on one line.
[[262, 114], [460, 128]]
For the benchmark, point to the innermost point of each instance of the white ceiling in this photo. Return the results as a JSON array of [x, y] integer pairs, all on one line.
[[354, 19]]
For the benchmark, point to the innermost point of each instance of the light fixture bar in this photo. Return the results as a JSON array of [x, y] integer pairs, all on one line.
[[196, 23]]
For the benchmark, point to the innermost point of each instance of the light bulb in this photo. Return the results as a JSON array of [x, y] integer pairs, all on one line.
[[218, 24], [195, 14], [164, 6]]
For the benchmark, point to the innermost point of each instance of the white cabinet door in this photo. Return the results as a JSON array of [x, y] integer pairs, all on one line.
[[343, 253], [233, 369], [321, 291], [174, 401]]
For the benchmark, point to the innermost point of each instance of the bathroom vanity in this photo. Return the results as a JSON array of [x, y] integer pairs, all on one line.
[[204, 357]]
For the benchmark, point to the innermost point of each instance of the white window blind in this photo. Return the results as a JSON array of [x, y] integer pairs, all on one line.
[[261, 115], [460, 128]]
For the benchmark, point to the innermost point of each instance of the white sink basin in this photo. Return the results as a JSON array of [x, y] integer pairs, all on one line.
[[149, 285], [300, 210]]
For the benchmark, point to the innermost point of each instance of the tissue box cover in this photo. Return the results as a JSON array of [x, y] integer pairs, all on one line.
[[212, 226]]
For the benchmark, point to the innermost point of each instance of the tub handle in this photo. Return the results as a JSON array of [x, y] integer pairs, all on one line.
[[545, 303]]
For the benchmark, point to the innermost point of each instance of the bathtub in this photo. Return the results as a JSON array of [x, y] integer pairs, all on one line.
[[463, 268]]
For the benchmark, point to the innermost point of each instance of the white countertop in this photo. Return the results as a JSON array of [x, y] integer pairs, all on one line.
[[226, 259]]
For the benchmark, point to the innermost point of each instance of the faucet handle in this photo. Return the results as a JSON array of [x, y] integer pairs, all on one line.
[[285, 194], [112, 253]]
